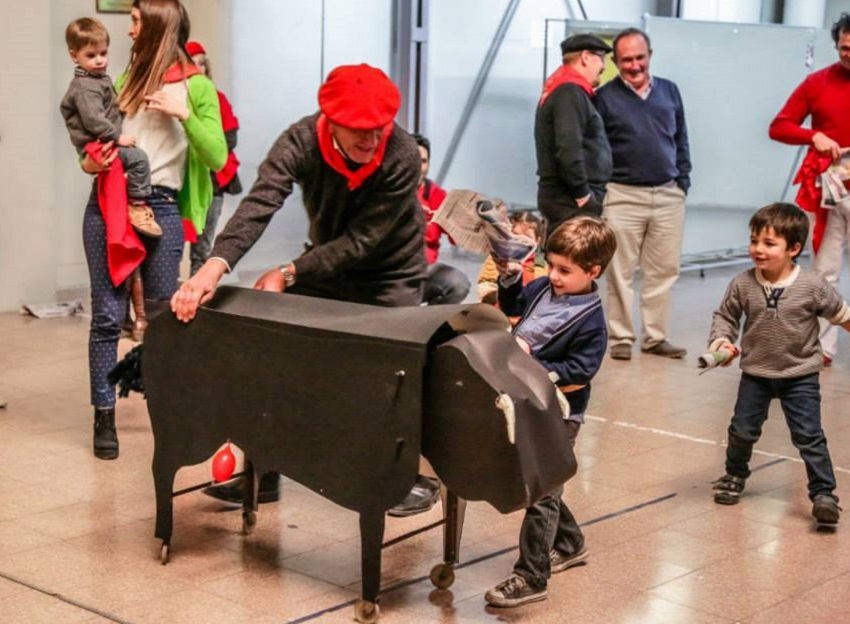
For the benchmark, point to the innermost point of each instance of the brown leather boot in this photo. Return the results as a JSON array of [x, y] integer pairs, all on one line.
[[137, 297], [142, 219]]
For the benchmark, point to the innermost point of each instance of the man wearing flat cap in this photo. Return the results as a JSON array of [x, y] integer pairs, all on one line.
[[358, 173], [573, 156]]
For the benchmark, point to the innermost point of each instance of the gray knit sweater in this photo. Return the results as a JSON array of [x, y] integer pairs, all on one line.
[[780, 338], [90, 109], [371, 237]]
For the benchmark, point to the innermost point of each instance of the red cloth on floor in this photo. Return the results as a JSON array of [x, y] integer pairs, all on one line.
[[124, 250]]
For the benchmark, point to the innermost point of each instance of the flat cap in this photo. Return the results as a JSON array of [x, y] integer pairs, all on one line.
[[584, 41], [359, 97]]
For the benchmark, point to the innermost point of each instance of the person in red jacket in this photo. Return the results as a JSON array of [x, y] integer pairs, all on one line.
[[824, 95], [444, 284]]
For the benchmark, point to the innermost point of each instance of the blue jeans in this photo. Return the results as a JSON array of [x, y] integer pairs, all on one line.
[[444, 285], [548, 525], [800, 401], [160, 270]]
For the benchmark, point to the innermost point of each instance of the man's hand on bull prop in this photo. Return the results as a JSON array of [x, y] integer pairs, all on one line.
[[199, 289], [277, 279]]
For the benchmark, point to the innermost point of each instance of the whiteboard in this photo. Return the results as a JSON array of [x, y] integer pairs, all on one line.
[[734, 78]]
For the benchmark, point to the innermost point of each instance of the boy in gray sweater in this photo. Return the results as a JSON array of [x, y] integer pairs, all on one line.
[[91, 114], [780, 353]]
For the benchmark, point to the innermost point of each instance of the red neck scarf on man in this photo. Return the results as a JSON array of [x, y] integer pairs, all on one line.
[[334, 158], [563, 75]]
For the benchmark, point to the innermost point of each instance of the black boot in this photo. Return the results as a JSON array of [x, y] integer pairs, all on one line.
[[233, 492], [423, 496], [105, 436]]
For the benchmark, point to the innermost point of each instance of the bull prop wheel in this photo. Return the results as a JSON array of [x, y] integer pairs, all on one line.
[[366, 612]]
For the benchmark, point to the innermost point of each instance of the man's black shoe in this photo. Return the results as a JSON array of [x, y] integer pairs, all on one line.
[[423, 496], [233, 491]]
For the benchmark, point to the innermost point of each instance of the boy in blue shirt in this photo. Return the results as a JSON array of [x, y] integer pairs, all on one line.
[[562, 327]]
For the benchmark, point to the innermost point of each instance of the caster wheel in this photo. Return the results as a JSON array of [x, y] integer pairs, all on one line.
[[249, 521], [163, 553], [366, 612], [442, 576]]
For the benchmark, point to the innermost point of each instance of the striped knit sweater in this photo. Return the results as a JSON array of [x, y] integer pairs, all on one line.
[[780, 337]]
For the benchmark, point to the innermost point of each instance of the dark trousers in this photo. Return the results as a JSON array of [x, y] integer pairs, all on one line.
[[444, 284], [200, 252], [159, 271], [800, 401], [548, 525], [138, 171]]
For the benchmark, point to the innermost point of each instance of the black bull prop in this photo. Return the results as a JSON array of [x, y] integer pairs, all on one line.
[[343, 398]]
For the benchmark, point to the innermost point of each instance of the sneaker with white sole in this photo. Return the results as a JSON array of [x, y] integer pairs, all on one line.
[[728, 489], [560, 562], [513, 592]]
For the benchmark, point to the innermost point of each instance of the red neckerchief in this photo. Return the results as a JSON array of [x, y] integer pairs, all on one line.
[[178, 72], [810, 194], [336, 161], [563, 75]]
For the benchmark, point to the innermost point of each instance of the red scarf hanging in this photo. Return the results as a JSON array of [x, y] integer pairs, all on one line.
[[810, 194], [124, 250], [228, 122], [563, 75], [336, 161]]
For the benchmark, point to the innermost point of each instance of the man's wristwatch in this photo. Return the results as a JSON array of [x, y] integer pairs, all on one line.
[[288, 274]]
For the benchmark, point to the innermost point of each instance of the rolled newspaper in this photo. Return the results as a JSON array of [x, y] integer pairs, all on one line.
[[713, 358], [504, 244]]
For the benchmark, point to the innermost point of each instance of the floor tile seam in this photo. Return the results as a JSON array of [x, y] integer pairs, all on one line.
[[62, 598], [738, 619], [480, 559], [698, 440]]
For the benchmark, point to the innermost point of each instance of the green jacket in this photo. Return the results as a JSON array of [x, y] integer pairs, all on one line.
[[207, 149]]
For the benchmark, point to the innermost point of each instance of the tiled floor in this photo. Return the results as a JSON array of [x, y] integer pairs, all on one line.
[[77, 545]]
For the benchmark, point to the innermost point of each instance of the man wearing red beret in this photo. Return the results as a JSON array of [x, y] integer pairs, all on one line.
[[358, 174]]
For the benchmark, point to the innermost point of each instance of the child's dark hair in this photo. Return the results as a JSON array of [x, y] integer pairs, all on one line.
[[421, 141], [586, 241], [787, 220], [526, 217], [84, 32]]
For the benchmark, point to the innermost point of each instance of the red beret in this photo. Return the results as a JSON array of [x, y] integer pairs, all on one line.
[[193, 48], [360, 97]]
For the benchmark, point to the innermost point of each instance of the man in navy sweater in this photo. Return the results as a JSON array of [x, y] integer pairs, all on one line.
[[645, 200]]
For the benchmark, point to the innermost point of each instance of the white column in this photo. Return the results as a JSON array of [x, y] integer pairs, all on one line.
[[804, 13]]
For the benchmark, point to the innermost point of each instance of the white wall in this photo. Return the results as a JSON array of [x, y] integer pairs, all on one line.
[[496, 154], [278, 63], [27, 210], [43, 191]]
